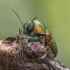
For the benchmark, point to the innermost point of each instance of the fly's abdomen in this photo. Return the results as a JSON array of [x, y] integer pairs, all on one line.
[[52, 49]]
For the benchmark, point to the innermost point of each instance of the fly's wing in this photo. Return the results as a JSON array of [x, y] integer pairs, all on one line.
[[50, 41]]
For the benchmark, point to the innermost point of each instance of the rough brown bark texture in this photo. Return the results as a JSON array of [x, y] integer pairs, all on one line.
[[12, 56]]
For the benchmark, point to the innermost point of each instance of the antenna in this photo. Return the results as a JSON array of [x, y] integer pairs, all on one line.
[[17, 16], [34, 19]]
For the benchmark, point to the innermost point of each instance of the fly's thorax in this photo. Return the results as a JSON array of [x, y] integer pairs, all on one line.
[[39, 27]]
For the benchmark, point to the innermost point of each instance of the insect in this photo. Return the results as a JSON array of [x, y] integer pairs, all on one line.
[[36, 29]]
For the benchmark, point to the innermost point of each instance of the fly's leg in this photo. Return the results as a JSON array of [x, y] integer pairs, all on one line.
[[42, 40], [50, 53]]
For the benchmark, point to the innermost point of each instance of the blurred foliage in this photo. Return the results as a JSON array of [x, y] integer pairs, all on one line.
[[55, 14]]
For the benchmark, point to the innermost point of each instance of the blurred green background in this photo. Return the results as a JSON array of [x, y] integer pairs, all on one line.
[[55, 14]]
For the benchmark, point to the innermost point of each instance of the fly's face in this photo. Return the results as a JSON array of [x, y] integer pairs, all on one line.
[[28, 28]]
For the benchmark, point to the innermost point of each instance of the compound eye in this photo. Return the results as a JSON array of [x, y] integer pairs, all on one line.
[[29, 28]]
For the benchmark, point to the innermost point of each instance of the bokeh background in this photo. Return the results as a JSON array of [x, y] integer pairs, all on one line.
[[55, 14]]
